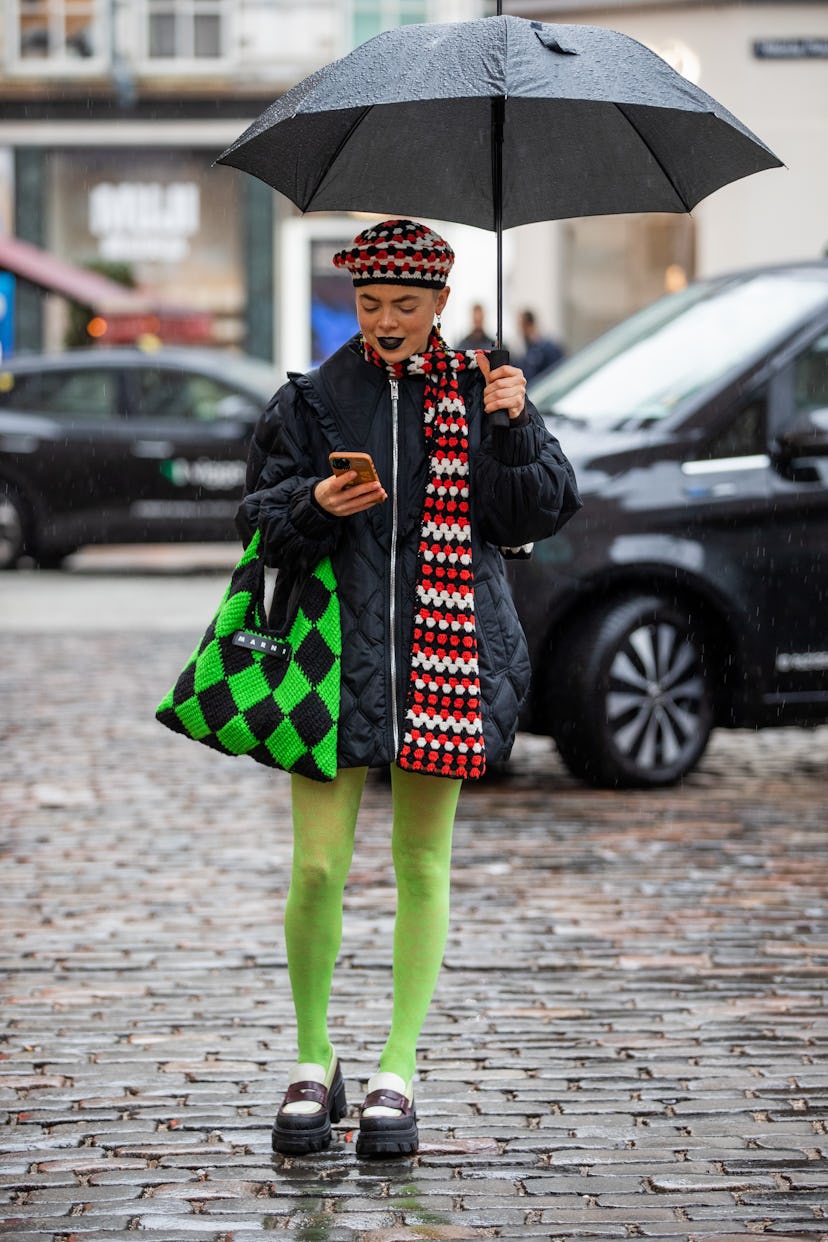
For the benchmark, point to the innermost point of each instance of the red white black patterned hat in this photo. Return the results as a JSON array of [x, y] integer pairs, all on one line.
[[399, 252]]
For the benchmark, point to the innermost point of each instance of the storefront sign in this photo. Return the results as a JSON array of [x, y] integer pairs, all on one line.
[[790, 49], [144, 220], [7, 288]]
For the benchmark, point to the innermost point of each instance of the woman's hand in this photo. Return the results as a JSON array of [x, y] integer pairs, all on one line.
[[505, 388], [337, 498]]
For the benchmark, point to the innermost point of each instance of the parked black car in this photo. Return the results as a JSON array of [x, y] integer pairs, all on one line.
[[123, 446], [692, 589]]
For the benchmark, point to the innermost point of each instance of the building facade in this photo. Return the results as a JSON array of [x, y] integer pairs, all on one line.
[[767, 62], [112, 112], [111, 115]]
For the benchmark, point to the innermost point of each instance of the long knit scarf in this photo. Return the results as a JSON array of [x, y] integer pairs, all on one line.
[[443, 731]]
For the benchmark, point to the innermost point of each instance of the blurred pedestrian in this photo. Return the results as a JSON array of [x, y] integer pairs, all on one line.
[[434, 662], [478, 337], [539, 352]]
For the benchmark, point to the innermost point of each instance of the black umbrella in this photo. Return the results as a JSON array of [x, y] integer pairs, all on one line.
[[498, 122]]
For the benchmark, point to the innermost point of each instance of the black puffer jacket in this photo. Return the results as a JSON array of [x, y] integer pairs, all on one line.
[[522, 488]]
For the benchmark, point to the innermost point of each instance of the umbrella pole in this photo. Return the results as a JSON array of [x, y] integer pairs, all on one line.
[[498, 114], [498, 109], [498, 356]]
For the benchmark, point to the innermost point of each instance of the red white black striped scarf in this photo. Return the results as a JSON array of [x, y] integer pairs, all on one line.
[[443, 723]]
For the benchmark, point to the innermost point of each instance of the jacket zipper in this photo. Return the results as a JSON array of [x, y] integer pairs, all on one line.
[[392, 609]]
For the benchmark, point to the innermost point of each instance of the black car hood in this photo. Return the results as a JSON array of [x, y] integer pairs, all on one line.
[[600, 455]]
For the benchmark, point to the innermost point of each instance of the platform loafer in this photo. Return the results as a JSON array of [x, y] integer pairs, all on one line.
[[388, 1119], [315, 1098]]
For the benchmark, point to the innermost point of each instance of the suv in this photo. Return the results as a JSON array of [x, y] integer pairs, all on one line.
[[123, 446], [691, 591]]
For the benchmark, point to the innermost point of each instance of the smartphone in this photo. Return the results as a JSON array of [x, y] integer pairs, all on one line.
[[341, 463]]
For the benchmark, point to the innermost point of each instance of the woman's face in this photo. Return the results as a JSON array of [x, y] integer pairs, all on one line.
[[396, 319]]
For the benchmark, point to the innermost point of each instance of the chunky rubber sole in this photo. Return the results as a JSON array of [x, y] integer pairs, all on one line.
[[383, 1137], [299, 1134]]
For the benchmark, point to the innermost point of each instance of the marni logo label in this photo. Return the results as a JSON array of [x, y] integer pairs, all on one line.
[[260, 642]]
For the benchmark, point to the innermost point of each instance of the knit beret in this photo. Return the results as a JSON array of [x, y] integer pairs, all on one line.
[[398, 252]]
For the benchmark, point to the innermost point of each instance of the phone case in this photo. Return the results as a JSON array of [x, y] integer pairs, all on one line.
[[341, 463]]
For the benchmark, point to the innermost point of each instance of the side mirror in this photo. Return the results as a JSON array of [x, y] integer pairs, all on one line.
[[798, 452], [807, 436]]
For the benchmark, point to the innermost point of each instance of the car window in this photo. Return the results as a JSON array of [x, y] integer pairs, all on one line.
[[645, 368], [811, 377], [81, 393], [18, 392], [161, 392], [746, 435]]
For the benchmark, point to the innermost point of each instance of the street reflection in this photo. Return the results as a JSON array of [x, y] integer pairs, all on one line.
[[333, 1190]]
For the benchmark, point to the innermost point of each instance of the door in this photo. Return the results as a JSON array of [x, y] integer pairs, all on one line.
[[189, 433], [797, 563], [70, 459], [725, 489]]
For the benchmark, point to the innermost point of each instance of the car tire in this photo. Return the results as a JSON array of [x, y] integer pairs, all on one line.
[[13, 518], [630, 698]]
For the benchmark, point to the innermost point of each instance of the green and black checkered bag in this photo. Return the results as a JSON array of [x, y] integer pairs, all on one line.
[[249, 691]]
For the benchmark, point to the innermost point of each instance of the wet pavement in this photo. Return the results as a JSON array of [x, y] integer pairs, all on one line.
[[629, 1036]]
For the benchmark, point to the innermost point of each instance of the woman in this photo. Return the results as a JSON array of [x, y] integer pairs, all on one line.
[[434, 663]]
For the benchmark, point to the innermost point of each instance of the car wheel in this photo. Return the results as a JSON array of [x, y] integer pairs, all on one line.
[[12, 527], [630, 697]]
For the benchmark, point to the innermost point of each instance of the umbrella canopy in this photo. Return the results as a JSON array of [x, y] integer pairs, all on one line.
[[409, 123]]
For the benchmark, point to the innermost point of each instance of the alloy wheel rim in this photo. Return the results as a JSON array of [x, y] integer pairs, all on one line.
[[656, 698]]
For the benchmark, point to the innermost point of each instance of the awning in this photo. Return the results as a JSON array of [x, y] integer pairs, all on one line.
[[125, 314], [45, 269]]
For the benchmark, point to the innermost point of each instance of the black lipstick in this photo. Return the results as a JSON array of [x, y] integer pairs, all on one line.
[[390, 342]]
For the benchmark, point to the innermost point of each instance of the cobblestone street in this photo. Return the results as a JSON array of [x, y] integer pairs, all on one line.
[[628, 1040]]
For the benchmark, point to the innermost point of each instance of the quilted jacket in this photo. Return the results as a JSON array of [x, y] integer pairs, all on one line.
[[522, 488]]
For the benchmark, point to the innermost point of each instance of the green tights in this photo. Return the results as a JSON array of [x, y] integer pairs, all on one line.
[[324, 820]]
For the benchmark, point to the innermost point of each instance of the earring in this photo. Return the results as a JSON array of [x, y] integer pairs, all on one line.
[[439, 326]]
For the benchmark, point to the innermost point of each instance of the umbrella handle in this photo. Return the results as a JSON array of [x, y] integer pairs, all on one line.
[[498, 358]]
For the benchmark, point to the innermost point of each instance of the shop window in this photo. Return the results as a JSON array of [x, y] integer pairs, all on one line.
[[59, 33], [613, 266], [176, 224], [285, 40], [372, 16], [186, 29]]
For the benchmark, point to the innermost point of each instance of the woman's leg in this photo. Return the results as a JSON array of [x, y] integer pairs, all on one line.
[[324, 819], [424, 809]]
